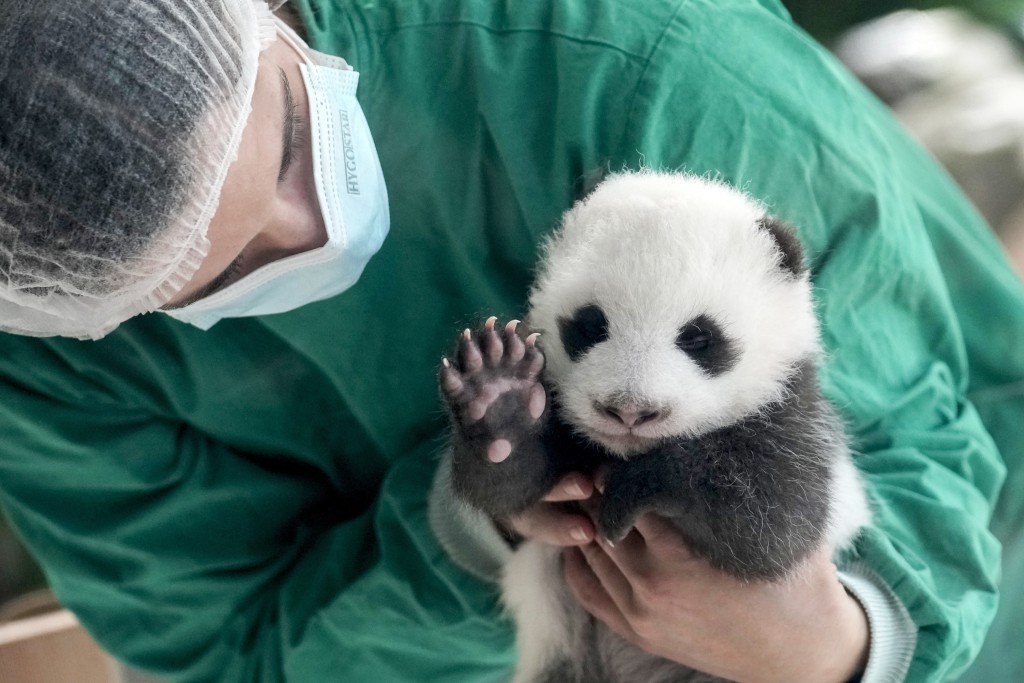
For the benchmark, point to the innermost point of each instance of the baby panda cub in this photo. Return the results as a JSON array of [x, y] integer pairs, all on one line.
[[677, 352]]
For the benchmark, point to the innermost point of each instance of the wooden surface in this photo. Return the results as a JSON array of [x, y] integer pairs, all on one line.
[[52, 648]]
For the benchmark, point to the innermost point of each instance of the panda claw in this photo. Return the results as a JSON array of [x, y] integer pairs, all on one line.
[[514, 346], [469, 353], [492, 347], [533, 363], [492, 363], [612, 530], [451, 381]]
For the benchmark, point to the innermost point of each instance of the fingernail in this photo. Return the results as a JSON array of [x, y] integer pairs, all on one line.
[[574, 489], [578, 534]]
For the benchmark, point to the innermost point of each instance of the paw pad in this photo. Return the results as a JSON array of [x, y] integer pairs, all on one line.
[[493, 385]]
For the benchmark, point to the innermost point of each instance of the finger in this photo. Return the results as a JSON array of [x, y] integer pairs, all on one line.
[[611, 577], [571, 487], [587, 588], [630, 555], [552, 525], [651, 544], [660, 537]]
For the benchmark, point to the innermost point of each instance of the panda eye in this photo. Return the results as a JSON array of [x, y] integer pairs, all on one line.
[[704, 342], [693, 338], [587, 327]]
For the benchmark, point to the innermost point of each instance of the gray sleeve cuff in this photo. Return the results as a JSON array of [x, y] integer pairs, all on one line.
[[893, 634], [467, 535]]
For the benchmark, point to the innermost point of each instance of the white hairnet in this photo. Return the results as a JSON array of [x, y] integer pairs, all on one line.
[[118, 121]]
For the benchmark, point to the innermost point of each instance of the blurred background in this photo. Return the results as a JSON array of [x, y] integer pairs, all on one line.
[[952, 73]]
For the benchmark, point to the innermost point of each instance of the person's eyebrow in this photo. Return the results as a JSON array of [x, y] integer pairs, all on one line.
[[288, 129], [210, 287]]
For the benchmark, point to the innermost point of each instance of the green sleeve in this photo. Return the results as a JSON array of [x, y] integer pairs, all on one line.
[[205, 505], [203, 563]]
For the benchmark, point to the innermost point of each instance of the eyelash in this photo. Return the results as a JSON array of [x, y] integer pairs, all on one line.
[[296, 143], [229, 275]]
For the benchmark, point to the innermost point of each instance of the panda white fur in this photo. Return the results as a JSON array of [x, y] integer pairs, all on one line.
[[679, 348]]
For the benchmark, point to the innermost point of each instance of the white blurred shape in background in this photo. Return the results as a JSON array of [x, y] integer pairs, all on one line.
[[958, 86]]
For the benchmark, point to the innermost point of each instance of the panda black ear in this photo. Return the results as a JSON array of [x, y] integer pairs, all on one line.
[[792, 259]]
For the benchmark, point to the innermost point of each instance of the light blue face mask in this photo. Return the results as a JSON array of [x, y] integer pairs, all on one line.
[[353, 200]]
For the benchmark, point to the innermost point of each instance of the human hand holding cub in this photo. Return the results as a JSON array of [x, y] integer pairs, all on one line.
[[550, 522], [653, 592]]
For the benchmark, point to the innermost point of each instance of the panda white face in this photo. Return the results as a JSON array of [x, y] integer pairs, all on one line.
[[669, 306]]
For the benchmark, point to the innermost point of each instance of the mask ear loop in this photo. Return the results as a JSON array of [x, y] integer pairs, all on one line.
[[274, 4], [284, 32]]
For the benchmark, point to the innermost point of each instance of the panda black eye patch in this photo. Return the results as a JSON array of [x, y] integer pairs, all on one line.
[[587, 327], [704, 342]]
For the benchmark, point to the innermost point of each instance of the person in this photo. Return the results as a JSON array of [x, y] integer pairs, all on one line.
[[219, 412]]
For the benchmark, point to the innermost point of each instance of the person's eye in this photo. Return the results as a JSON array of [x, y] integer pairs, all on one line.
[[231, 275], [293, 148]]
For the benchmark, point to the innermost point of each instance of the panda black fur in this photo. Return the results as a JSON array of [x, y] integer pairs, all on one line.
[[678, 350]]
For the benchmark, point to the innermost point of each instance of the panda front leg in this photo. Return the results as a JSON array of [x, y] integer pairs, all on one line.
[[647, 483], [499, 412]]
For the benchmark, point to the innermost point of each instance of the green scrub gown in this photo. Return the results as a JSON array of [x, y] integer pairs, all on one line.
[[249, 503]]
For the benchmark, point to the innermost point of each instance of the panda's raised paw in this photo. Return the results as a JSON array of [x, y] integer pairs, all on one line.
[[493, 387]]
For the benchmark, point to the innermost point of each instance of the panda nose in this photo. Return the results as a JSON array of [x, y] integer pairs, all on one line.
[[632, 416]]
